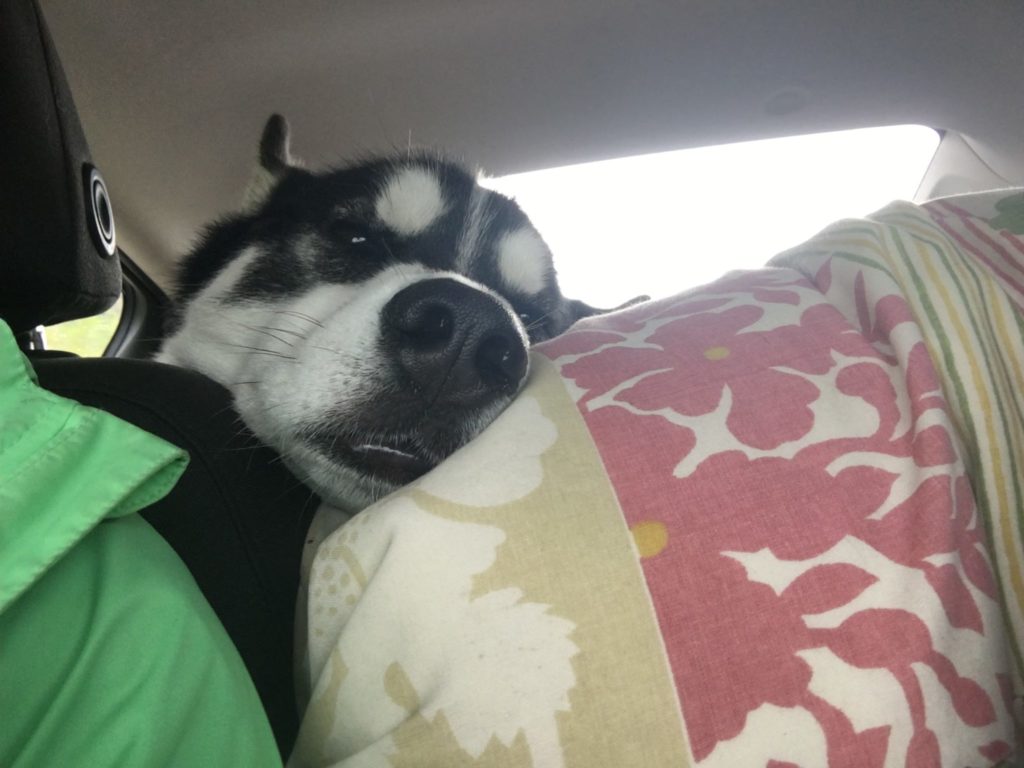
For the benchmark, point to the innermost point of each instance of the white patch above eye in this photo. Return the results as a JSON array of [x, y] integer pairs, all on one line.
[[523, 261], [411, 201]]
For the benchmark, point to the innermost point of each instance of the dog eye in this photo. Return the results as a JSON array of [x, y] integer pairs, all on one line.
[[349, 232]]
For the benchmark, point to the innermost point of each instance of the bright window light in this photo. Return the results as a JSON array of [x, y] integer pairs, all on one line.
[[658, 224]]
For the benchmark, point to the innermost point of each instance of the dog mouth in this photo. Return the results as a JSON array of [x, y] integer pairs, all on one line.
[[386, 453], [393, 461], [399, 465]]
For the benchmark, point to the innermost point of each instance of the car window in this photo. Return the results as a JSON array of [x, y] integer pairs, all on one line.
[[87, 337], [657, 224]]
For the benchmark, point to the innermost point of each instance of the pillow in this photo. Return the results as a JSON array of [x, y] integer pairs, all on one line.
[[770, 521]]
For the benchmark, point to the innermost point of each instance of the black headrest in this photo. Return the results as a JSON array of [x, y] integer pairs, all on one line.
[[57, 251]]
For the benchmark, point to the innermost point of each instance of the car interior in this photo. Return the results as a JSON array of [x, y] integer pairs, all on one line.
[[129, 125]]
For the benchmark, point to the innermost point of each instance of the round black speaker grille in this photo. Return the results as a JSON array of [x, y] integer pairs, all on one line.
[[101, 216]]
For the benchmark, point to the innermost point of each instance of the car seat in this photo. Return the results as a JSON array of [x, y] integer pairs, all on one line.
[[237, 518]]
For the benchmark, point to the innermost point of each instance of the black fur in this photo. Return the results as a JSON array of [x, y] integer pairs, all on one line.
[[394, 376], [274, 152], [333, 210]]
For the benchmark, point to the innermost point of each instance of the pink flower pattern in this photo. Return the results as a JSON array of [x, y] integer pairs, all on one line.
[[823, 542]]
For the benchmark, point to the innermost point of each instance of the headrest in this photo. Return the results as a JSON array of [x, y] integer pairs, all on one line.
[[58, 258]]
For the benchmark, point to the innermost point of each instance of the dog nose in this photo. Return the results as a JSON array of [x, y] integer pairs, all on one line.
[[456, 343]]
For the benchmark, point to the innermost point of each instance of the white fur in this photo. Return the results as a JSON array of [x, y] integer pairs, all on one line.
[[204, 337], [410, 202], [467, 250], [312, 362], [309, 359], [523, 261]]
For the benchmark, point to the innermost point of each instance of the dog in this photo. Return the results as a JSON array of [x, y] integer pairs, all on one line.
[[369, 320]]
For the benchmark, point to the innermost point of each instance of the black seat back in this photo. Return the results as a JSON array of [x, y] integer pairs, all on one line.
[[58, 256]]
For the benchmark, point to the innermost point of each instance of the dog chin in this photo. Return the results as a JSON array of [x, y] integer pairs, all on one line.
[[351, 469], [339, 485]]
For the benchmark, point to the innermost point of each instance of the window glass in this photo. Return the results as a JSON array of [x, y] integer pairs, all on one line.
[[87, 337], [658, 224]]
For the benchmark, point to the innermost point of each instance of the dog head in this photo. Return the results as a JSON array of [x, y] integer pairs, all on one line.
[[369, 320]]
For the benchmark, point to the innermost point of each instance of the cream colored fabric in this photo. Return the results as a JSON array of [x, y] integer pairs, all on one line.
[[465, 621]]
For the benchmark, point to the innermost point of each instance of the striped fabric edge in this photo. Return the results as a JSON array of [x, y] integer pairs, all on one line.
[[1001, 251], [966, 296]]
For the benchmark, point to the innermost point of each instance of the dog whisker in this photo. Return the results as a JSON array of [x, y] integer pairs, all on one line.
[[242, 448], [244, 433], [271, 407], [538, 321], [291, 487], [396, 263], [282, 330], [225, 409], [279, 459], [391, 254], [300, 315], [337, 352], [259, 350], [265, 332], [312, 496]]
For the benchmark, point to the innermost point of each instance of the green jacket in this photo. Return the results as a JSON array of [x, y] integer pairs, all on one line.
[[109, 654]]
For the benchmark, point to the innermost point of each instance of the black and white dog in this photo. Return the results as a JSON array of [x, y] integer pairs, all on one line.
[[368, 320]]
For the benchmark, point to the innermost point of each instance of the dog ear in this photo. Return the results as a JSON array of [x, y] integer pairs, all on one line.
[[275, 160], [275, 156], [579, 309]]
